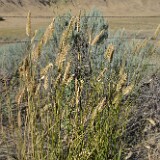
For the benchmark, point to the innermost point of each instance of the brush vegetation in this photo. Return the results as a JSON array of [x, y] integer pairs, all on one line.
[[71, 95]]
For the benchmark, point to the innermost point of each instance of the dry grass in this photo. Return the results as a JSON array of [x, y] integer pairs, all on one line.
[[64, 114]]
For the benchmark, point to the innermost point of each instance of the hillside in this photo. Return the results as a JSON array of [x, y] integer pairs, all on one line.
[[20, 7], [109, 7], [23, 2]]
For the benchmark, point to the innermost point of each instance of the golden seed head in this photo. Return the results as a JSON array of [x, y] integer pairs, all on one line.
[[31, 87], [117, 99], [19, 121], [97, 38], [67, 33], [57, 81], [121, 82], [152, 122], [101, 75], [139, 46], [68, 80], [46, 83], [109, 52], [61, 57], [49, 32], [44, 109], [127, 90], [78, 21], [98, 108], [66, 73], [90, 38], [20, 95], [38, 89], [36, 53], [156, 32], [24, 70], [34, 36], [45, 70]]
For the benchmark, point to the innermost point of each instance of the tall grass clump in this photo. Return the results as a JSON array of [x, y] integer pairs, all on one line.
[[74, 90]]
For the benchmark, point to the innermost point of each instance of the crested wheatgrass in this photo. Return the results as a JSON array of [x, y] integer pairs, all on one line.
[[127, 90], [97, 38], [70, 114], [140, 46], [34, 36], [68, 80], [49, 32], [109, 52], [67, 33], [97, 110], [101, 75], [156, 32], [61, 57], [46, 83], [46, 36], [78, 22], [37, 51], [66, 73], [122, 80], [64, 46], [45, 70]]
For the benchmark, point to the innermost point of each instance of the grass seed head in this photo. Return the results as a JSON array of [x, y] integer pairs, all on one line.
[[45, 70], [57, 81], [34, 36], [127, 90], [67, 33], [109, 53], [122, 80], [66, 73], [139, 46], [78, 21], [156, 33], [38, 89], [61, 57], [20, 95], [101, 75], [97, 38], [67, 81], [49, 32], [46, 83], [36, 53], [98, 109]]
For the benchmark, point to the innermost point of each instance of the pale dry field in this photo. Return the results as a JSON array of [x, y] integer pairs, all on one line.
[[14, 28], [141, 15]]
